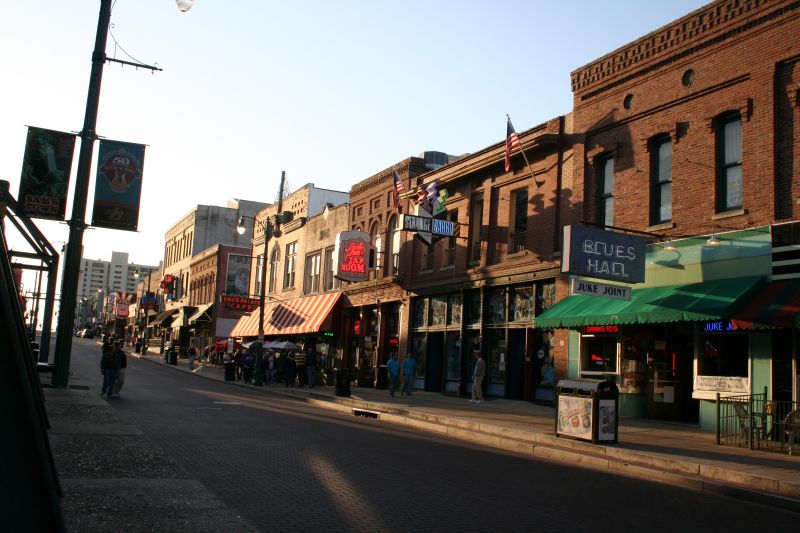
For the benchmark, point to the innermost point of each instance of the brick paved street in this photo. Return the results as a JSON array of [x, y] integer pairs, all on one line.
[[288, 466]]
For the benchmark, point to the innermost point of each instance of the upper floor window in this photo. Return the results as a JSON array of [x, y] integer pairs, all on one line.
[[312, 277], [661, 179], [475, 227], [330, 281], [259, 274], [394, 246], [274, 260], [289, 266], [729, 162], [377, 250], [518, 220], [605, 188], [449, 258]]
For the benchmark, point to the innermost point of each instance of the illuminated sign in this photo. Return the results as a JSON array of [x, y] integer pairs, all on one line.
[[357, 327], [240, 303], [352, 253], [597, 253], [327, 334], [599, 329], [435, 226], [717, 326]]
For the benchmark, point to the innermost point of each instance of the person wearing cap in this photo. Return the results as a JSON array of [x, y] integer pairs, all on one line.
[[477, 378]]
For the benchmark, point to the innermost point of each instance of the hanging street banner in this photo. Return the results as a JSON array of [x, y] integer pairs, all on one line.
[[46, 166], [118, 186]]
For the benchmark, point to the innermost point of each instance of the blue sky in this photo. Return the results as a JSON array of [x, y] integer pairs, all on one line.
[[331, 92]]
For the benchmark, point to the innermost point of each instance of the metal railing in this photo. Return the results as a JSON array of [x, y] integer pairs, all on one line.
[[752, 421]]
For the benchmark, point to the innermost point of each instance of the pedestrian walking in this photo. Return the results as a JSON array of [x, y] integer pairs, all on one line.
[[311, 366], [269, 365], [192, 356], [393, 369], [248, 363], [409, 369], [289, 370], [300, 359], [477, 378], [108, 366], [122, 363], [237, 359]]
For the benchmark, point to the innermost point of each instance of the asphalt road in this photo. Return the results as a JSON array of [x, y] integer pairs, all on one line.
[[287, 466]]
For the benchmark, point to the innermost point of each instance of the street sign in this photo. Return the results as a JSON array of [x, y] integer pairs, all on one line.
[[593, 288]]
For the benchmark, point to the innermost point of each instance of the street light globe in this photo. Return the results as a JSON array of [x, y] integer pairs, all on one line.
[[184, 5], [240, 226]]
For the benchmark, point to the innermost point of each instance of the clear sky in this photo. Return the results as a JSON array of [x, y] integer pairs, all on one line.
[[329, 91]]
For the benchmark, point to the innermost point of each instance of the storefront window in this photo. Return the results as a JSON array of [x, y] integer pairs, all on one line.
[[438, 310], [634, 351], [473, 340], [473, 303], [545, 296], [599, 354], [724, 355], [453, 355], [419, 349], [454, 309], [521, 304], [497, 305], [496, 362], [418, 312]]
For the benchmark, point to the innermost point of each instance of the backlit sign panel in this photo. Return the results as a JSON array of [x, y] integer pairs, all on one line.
[[352, 256], [597, 253]]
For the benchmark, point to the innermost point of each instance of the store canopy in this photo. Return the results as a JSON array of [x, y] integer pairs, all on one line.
[[711, 300], [164, 315], [776, 305], [202, 314], [298, 315]]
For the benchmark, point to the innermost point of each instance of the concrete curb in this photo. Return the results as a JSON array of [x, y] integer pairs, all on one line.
[[695, 476]]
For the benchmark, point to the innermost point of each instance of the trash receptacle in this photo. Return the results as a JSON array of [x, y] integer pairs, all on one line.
[[342, 381], [172, 357], [587, 409], [230, 371]]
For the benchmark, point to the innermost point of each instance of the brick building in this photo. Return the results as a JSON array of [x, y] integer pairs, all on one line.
[[689, 134]]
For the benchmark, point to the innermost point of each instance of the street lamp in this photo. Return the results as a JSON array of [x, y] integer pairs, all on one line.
[[271, 228], [77, 224]]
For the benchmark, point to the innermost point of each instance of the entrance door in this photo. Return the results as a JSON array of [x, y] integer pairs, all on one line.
[[515, 371], [434, 362], [670, 364]]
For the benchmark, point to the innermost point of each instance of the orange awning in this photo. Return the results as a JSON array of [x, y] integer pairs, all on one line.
[[290, 317]]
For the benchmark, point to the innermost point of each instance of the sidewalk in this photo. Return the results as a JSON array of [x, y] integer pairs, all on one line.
[[667, 452]]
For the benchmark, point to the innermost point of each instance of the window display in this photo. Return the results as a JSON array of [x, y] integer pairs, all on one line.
[[598, 354]]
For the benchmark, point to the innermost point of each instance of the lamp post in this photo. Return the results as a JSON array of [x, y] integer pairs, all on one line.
[[77, 224], [270, 229]]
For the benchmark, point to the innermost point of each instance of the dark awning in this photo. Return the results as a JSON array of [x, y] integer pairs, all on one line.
[[776, 305], [203, 314], [164, 315], [710, 300]]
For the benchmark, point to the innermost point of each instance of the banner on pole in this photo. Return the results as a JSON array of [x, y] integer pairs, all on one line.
[[46, 167], [118, 187]]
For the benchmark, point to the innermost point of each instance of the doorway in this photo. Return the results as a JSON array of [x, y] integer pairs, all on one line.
[[434, 362]]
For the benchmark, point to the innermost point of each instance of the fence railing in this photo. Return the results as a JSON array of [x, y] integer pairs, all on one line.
[[752, 421]]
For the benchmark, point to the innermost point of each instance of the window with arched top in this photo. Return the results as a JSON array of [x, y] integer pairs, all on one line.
[[377, 251], [274, 261], [394, 246]]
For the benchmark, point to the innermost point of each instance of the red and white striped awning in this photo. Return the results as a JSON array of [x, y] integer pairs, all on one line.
[[298, 315]]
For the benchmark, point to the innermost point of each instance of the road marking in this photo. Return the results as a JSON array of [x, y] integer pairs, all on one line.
[[229, 403]]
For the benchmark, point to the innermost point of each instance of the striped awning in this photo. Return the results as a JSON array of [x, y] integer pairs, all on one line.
[[776, 305], [298, 315]]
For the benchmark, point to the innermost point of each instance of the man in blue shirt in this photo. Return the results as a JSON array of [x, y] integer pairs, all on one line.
[[409, 368], [393, 368]]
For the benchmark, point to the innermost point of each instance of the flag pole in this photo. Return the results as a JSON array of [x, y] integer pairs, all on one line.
[[538, 184]]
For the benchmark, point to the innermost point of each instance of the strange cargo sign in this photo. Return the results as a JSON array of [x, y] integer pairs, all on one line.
[[597, 253], [352, 256]]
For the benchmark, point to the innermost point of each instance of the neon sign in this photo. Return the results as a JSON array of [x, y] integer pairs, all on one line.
[[351, 252]]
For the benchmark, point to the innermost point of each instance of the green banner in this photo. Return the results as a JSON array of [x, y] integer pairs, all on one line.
[[45, 173]]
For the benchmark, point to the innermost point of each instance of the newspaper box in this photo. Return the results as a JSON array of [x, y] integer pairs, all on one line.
[[587, 409]]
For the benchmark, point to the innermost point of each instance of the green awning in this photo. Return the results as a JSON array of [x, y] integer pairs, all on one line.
[[711, 300]]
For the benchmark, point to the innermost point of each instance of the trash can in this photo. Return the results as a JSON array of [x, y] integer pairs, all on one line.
[[230, 371], [172, 357], [587, 409], [342, 381]]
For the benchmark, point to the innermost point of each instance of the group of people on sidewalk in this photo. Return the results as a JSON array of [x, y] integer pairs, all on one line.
[[402, 375], [405, 374], [292, 368], [113, 363]]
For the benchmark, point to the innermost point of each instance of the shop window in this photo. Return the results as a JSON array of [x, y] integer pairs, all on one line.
[[418, 308], [497, 305], [605, 190], [599, 354], [454, 309], [545, 296], [419, 349], [518, 222], [496, 361], [453, 355], [724, 355], [472, 338], [475, 228], [473, 305], [521, 304], [661, 179], [729, 162], [438, 310]]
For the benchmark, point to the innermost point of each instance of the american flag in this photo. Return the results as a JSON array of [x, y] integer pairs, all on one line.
[[512, 141], [397, 189]]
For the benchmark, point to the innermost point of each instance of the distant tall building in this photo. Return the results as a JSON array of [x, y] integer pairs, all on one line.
[[99, 278]]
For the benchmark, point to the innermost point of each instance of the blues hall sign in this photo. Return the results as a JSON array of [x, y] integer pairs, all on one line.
[[597, 253]]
